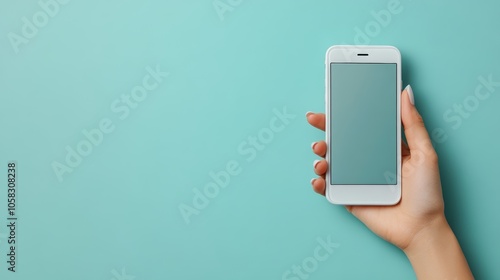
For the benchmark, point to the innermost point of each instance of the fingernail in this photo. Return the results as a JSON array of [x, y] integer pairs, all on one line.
[[315, 163], [410, 94], [308, 113], [312, 181], [313, 144]]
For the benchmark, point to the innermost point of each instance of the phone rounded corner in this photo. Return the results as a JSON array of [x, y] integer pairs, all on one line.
[[397, 198], [396, 50], [328, 195], [333, 47], [329, 52]]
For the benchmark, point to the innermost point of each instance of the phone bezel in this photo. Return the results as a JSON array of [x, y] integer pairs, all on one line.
[[363, 194]]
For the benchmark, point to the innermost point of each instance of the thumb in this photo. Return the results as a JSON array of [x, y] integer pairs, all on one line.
[[416, 134]]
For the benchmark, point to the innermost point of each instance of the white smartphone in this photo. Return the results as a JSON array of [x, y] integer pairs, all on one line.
[[363, 125]]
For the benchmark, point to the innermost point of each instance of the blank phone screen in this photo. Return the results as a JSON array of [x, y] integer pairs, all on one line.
[[363, 126]]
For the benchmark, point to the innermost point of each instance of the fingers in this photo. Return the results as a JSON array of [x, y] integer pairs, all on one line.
[[320, 167], [319, 148], [316, 119], [318, 185], [416, 134]]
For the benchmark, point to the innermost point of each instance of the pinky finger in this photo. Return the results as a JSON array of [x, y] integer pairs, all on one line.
[[318, 185]]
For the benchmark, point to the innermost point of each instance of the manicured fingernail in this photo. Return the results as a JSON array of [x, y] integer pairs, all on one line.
[[315, 163], [309, 113], [312, 181], [410, 94], [313, 144]]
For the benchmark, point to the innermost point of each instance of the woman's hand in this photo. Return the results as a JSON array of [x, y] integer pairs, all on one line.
[[420, 213]]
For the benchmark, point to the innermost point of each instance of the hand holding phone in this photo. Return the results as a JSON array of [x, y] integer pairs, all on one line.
[[416, 224]]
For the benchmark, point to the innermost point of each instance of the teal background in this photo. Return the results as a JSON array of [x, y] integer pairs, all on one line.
[[363, 149], [119, 209]]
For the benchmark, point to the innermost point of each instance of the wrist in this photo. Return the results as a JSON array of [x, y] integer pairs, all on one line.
[[429, 236], [434, 252]]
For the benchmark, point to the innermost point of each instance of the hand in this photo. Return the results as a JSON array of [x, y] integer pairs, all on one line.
[[421, 207], [421, 202]]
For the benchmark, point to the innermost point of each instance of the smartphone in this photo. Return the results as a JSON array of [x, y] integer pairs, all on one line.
[[363, 125]]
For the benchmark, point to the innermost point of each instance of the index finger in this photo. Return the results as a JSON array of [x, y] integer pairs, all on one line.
[[316, 119]]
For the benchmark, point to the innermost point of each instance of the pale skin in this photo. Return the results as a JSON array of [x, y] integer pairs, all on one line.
[[417, 224]]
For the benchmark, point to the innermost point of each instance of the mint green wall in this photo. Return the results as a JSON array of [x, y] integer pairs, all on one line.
[[227, 120]]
